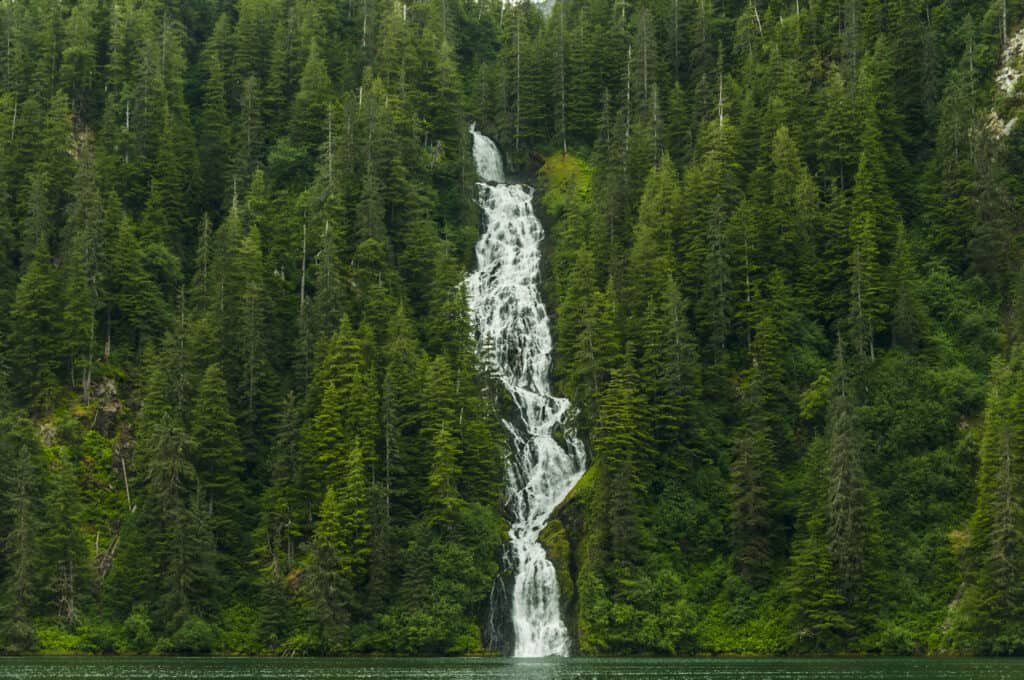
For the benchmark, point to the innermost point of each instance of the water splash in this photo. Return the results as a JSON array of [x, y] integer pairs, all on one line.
[[511, 321]]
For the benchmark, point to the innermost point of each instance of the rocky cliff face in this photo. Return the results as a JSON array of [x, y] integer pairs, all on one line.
[[563, 540], [1009, 96]]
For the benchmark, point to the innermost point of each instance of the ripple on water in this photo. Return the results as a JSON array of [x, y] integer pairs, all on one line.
[[138, 668]]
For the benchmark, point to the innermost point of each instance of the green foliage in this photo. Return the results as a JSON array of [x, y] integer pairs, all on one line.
[[242, 410], [56, 640], [991, 606], [194, 636], [847, 505], [220, 466], [137, 633], [240, 631]]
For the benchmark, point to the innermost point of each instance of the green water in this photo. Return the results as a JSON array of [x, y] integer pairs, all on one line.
[[75, 668]]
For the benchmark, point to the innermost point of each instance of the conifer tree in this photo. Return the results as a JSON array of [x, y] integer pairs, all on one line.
[[85, 257], [401, 414], [354, 506], [871, 191], [248, 300], [62, 545], [651, 257], [790, 245], [711, 190], [327, 437], [78, 62], [309, 113], [22, 550], [754, 470], [583, 90], [34, 345], [167, 540], [866, 292], [818, 616], [848, 504], [288, 499], [908, 315], [168, 205], [347, 409], [214, 128], [38, 220], [837, 129], [329, 592], [285, 512], [444, 472], [621, 440], [596, 352], [53, 144], [249, 140], [220, 467], [138, 307], [993, 604], [669, 370]]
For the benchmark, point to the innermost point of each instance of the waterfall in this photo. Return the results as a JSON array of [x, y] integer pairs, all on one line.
[[515, 339]]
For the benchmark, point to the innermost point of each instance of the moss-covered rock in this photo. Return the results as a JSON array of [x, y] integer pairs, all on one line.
[[562, 538], [556, 544]]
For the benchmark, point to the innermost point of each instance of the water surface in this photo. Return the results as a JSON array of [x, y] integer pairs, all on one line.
[[148, 668]]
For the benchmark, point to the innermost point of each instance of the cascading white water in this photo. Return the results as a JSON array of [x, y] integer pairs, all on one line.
[[512, 325]]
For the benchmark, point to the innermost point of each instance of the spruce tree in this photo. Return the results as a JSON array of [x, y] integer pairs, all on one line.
[[62, 545], [442, 482], [670, 373], [220, 466], [621, 440], [23, 488], [848, 504], [993, 604], [353, 503], [867, 301], [754, 470], [908, 314], [214, 129], [651, 257], [309, 113], [85, 258], [34, 347], [329, 593], [818, 619], [139, 309]]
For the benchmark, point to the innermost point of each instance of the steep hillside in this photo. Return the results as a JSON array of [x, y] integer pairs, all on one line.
[[245, 412]]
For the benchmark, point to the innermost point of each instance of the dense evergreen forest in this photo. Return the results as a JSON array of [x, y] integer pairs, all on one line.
[[243, 409]]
